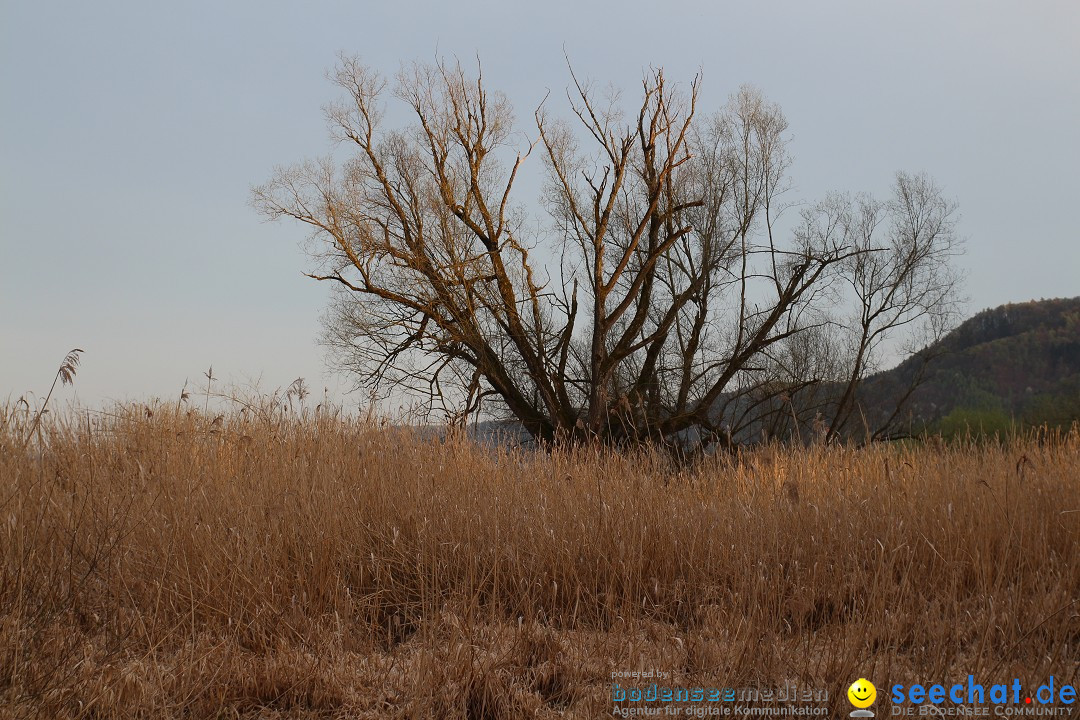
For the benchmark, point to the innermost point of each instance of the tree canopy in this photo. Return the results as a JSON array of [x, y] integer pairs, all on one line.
[[654, 300]]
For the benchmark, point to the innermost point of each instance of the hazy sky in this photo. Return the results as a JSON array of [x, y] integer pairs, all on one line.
[[132, 133]]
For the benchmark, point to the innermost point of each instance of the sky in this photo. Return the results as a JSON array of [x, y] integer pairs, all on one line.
[[132, 134]]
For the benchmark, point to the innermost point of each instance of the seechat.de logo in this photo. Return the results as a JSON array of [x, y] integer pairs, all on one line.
[[862, 694]]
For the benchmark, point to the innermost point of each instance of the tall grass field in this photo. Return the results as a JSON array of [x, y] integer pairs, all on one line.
[[171, 563]]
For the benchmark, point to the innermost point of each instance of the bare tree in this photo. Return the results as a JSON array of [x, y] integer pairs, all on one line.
[[901, 280], [659, 293]]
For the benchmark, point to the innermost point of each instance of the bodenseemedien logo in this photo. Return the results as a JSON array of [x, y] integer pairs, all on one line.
[[862, 694]]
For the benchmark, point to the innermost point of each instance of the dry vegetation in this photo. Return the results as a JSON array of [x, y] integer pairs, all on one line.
[[276, 565]]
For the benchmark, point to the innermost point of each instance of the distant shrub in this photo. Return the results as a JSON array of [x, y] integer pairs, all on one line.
[[977, 423]]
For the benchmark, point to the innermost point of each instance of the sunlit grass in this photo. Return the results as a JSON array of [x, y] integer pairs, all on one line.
[[267, 563]]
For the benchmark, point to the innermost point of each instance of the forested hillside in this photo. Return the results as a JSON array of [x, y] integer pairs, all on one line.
[[1014, 363]]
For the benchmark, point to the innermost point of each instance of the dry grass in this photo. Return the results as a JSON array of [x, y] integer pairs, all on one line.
[[181, 565]]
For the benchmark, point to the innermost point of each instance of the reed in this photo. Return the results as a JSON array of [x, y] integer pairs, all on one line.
[[277, 562]]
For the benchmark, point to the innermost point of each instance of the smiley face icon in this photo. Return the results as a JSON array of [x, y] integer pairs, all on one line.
[[862, 693]]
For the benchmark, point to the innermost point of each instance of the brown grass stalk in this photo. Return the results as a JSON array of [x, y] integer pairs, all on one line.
[[172, 564]]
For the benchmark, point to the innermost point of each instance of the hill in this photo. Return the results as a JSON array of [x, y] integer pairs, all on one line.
[[1014, 363]]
